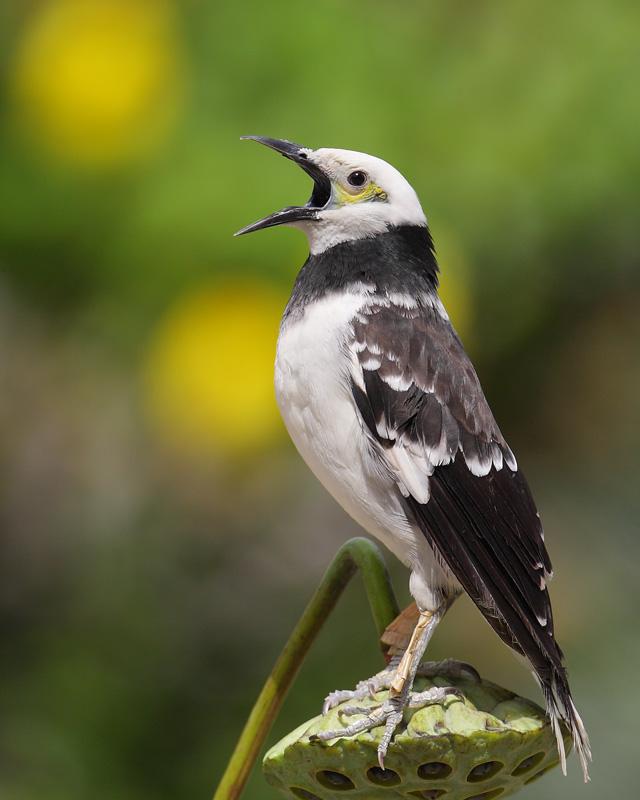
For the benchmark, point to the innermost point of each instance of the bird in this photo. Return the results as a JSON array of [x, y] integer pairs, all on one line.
[[385, 407]]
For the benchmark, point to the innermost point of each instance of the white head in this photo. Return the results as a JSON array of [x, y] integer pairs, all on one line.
[[354, 196]]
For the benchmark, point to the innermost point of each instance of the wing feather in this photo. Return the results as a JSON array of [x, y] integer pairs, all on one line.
[[420, 399]]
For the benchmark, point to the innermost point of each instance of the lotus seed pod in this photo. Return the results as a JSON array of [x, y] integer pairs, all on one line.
[[486, 744]]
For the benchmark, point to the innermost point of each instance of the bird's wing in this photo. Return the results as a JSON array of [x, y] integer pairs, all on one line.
[[428, 420]]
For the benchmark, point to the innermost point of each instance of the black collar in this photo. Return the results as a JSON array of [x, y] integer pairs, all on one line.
[[400, 260]]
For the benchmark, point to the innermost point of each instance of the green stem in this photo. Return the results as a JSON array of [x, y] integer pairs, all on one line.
[[356, 554]]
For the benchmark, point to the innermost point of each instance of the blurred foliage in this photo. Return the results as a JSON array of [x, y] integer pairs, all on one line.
[[152, 558]]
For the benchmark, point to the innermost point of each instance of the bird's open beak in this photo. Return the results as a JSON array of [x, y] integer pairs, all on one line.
[[321, 187]]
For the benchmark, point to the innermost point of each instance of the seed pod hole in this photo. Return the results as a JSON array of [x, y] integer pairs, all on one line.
[[428, 794], [383, 777], [334, 780], [541, 773], [487, 795], [484, 771], [303, 794], [528, 764], [434, 770]]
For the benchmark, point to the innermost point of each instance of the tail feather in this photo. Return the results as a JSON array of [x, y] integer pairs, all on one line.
[[561, 708]]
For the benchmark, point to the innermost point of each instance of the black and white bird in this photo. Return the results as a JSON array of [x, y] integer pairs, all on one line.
[[385, 407]]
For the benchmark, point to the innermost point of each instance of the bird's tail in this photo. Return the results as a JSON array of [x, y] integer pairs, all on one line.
[[561, 708]]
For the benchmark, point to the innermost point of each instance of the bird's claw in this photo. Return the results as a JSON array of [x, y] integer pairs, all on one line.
[[334, 699], [450, 667], [365, 690], [389, 713], [350, 711], [437, 694]]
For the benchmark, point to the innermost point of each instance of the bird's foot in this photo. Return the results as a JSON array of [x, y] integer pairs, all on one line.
[[365, 689], [388, 713], [451, 667]]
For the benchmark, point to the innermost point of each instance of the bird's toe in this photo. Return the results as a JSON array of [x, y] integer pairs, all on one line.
[[450, 667]]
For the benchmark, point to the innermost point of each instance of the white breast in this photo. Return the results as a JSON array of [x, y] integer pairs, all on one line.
[[313, 390]]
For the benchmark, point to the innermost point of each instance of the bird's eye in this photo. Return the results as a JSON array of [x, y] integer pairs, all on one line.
[[357, 178]]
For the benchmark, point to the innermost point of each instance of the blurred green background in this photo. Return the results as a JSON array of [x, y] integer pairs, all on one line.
[[159, 535]]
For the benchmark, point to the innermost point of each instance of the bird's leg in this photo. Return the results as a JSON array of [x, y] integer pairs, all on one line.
[[397, 636], [400, 681], [406, 669]]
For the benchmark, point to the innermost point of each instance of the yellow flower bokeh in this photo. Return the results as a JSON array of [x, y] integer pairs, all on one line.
[[208, 375], [97, 81]]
